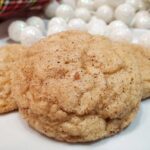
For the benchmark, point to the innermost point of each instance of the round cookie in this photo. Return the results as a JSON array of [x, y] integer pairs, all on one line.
[[74, 87], [8, 55]]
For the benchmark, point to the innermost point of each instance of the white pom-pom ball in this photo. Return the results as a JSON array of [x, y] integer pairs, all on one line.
[[144, 40], [77, 24], [137, 33], [105, 12], [30, 35], [72, 3], [98, 3], [57, 21], [125, 12], [56, 29], [94, 20], [117, 24], [114, 25], [15, 29], [134, 3], [36, 22], [115, 3], [135, 40], [96, 26], [65, 11], [83, 13], [89, 4], [141, 20], [51, 8], [120, 34]]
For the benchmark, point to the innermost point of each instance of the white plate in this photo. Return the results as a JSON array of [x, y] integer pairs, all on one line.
[[16, 135]]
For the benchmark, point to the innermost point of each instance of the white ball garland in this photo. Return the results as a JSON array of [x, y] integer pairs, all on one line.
[[51, 8], [72, 3], [121, 34], [96, 26], [36, 22], [94, 20], [145, 40], [89, 4], [77, 24], [141, 20], [65, 11], [125, 12], [30, 35], [15, 29], [117, 24], [116, 19], [83, 13], [57, 21], [105, 12], [56, 29], [134, 3], [98, 3]]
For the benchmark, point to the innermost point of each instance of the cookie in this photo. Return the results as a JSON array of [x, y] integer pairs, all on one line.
[[143, 59], [74, 87], [8, 55]]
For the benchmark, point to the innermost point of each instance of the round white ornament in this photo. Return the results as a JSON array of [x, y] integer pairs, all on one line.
[[120, 34], [72, 3], [96, 26], [94, 20], [15, 29], [114, 25], [65, 11], [125, 12], [36, 22], [98, 3], [105, 12], [30, 35], [77, 24], [57, 21], [56, 29], [117, 24], [134, 3], [51, 8], [89, 4], [141, 20], [144, 40], [83, 13], [135, 40]]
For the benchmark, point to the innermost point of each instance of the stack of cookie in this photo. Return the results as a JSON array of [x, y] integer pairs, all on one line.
[[75, 87]]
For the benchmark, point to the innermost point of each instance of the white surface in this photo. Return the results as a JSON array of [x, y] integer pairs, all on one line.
[[16, 135]]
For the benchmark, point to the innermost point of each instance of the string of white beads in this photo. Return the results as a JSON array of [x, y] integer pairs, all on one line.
[[115, 19]]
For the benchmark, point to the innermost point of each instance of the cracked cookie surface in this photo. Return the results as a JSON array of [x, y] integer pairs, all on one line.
[[74, 87]]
